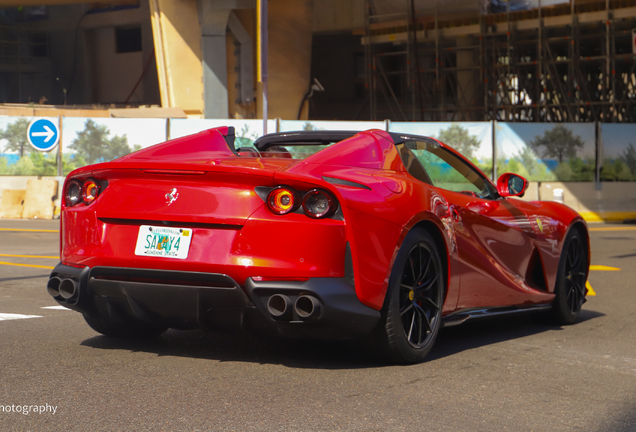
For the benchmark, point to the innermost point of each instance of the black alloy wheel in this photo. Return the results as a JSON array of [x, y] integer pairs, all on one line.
[[412, 313], [420, 309], [575, 276], [570, 287]]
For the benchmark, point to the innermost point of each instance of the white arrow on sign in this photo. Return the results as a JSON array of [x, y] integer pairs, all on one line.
[[48, 134]]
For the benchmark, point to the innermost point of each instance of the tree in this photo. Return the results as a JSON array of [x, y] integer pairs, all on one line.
[[16, 135], [43, 164], [3, 165], [245, 137], [582, 169], [528, 159], [557, 142], [94, 145], [24, 166], [629, 156], [459, 138]]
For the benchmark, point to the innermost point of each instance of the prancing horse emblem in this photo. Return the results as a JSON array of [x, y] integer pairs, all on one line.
[[172, 196]]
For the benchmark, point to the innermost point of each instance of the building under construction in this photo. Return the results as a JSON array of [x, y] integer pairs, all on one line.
[[404, 60], [505, 61]]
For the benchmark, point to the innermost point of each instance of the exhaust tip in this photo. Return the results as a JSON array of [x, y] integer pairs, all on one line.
[[68, 289], [278, 305], [307, 306], [53, 286]]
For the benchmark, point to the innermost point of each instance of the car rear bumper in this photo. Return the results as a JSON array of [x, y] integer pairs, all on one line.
[[329, 307]]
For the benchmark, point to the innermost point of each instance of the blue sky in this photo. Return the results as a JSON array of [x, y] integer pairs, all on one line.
[[616, 138]]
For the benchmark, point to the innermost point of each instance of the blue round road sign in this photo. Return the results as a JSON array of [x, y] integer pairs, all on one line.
[[43, 134]]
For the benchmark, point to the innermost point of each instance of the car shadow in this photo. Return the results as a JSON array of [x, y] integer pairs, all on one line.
[[624, 256], [488, 331], [24, 277], [623, 422], [249, 347], [316, 354]]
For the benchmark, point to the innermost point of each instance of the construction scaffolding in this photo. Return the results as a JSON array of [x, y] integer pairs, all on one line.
[[572, 62], [24, 64]]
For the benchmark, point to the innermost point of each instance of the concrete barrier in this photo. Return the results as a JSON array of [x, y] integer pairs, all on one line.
[[41, 196], [596, 202], [12, 203]]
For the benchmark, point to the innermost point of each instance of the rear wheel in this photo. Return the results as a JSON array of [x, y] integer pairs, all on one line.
[[570, 289], [131, 329], [412, 312]]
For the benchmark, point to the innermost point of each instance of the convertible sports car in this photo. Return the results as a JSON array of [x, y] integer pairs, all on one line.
[[321, 234]]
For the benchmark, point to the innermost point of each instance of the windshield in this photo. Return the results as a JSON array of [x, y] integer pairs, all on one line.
[[430, 163]]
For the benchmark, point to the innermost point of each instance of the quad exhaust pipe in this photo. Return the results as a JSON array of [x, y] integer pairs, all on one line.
[[280, 306], [53, 286], [65, 288], [307, 306], [68, 289]]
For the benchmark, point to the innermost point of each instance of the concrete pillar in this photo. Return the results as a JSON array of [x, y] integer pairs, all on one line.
[[191, 49], [213, 16], [290, 33], [241, 61], [177, 38], [150, 84]]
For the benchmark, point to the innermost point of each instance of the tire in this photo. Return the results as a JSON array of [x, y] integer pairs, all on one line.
[[570, 289], [131, 329], [412, 311]]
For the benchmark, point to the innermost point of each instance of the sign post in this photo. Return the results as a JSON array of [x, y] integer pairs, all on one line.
[[43, 134], [60, 161]]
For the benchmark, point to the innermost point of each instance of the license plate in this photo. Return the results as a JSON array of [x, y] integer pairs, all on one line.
[[155, 241]]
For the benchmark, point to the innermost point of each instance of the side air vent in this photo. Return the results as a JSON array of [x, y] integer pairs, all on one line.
[[535, 275], [349, 276], [342, 182]]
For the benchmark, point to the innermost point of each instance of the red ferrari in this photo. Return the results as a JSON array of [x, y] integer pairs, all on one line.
[[311, 234]]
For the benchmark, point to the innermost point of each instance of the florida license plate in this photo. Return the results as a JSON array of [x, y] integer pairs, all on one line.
[[154, 241]]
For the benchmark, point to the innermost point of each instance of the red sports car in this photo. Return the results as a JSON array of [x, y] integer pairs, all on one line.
[[311, 234]]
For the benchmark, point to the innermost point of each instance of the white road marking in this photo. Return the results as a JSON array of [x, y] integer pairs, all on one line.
[[55, 307], [6, 316]]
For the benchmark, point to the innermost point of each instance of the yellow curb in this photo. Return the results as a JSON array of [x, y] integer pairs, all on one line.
[[618, 216], [30, 256], [604, 268], [29, 230], [25, 265], [613, 229]]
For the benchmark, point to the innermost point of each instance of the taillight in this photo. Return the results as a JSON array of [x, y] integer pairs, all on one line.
[[318, 204], [90, 190], [282, 200], [73, 193]]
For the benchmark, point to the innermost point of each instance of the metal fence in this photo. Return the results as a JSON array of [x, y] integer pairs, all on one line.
[[573, 152]]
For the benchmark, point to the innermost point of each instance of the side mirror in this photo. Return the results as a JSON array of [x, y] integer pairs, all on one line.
[[511, 185]]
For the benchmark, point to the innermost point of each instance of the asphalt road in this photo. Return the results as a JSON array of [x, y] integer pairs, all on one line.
[[508, 374]]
